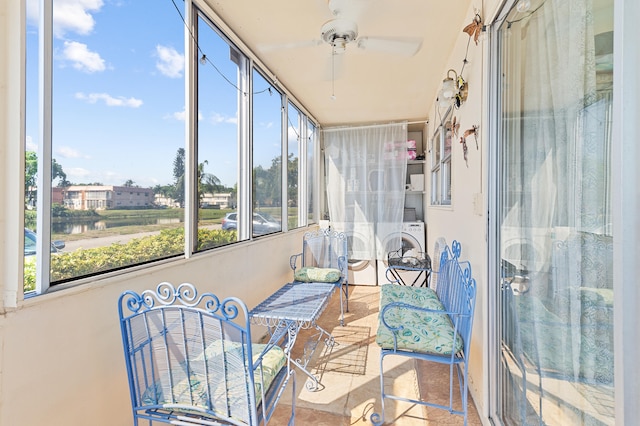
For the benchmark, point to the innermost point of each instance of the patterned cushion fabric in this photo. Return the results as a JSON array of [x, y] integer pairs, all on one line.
[[424, 332], [194, 390], [310, 274]]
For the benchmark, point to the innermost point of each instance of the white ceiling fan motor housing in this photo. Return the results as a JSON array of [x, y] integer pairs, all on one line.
[[338, 32]]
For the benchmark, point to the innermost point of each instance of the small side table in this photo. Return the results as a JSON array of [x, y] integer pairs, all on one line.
[[398, 266]]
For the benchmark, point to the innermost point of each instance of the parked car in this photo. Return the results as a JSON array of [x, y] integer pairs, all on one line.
[[30, 243], [263, 223]]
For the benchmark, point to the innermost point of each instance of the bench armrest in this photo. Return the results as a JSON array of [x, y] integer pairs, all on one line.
[[343, 265], [412, 307], [293, 261]]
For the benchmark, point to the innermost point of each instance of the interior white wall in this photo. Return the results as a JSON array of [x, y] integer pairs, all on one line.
[[465, 219], [62, 359]]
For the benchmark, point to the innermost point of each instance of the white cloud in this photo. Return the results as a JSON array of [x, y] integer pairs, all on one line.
[[109, 100], [181, 115], [30, 145], [170, 63], [217, 118], [68, 15], [83, 59], [266, 125], [76, 174], [68, 152], [178, 115]]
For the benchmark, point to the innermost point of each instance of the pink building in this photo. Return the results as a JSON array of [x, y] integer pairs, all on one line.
[[87, 197]]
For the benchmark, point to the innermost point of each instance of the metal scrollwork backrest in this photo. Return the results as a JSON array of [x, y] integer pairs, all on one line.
[[166, 294], [325, 232]]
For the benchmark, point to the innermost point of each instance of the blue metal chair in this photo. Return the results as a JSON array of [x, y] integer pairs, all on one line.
[[324, 258], [190, 360]]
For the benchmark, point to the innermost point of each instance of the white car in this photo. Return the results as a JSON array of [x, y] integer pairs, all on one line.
[[263, 223]]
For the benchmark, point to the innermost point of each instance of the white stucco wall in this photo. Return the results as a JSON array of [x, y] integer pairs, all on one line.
[[62, 360], [465, 219]]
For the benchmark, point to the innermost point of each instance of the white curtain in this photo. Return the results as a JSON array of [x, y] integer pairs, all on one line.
[[366, 172], [555, 237]]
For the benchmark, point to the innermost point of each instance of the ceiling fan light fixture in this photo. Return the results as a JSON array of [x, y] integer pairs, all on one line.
[[339, 45]]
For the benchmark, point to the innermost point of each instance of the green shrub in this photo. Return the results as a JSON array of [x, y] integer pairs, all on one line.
[[83, 262], [29, 273]]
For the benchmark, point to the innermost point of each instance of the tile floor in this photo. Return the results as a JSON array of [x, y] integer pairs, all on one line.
[[350, 380]]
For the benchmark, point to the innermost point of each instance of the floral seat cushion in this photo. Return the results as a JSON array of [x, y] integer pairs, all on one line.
[[194, 391], [424, 332], [310, 274]]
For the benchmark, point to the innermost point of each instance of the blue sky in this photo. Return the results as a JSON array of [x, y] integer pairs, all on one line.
[[119, 94]]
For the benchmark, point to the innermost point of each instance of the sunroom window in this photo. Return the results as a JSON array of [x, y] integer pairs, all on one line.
[[111, 103], [106, 121], [221, 75], [268, 116], [441, 161]]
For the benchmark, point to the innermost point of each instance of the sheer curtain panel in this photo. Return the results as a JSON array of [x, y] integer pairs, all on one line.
[[366, 172]]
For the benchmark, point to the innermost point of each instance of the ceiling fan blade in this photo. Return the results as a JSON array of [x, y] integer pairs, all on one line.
[[289, 45], [396, 45]]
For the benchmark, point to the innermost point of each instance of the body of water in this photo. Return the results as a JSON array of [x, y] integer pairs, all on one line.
[[79, 227]]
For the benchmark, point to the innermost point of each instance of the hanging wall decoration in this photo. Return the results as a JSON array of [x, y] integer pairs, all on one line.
[[465, 150], [474, 28], [472, 131], [455, 126], [463, 140]]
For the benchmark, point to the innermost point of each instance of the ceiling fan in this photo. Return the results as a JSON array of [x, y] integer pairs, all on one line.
[[342, 30], [339, 32]]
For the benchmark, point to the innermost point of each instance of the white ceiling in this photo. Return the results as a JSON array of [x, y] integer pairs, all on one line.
[[369, 86]]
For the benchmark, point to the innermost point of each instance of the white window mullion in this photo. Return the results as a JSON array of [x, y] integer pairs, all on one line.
[[43, 204], [302, 171], [191, 119], [285, 164], [245, 166]]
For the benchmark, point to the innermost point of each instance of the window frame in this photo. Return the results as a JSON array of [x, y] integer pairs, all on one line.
[[283, 99], [441, 162]]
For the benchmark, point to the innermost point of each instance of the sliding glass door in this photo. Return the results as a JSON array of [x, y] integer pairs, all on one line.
[[555, 239]]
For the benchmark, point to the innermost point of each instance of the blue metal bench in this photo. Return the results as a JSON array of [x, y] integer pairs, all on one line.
[[190, 360], [435, 326]]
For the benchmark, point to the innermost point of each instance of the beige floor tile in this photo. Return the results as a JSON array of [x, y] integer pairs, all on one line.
[[349, 373]]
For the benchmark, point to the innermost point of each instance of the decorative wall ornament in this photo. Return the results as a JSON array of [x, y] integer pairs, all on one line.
[[463, 140], [455, 126], [465, 150], [472, 131], [474, 28], [454, 89]]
